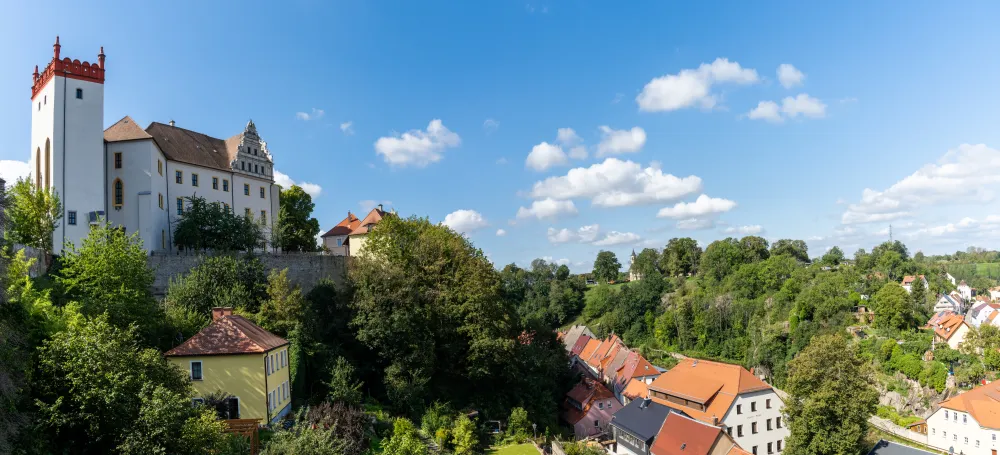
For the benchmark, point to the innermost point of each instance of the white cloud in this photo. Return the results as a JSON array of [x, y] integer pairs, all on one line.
[[417, 148], [968, 174], [618, 98], [617, 183], [701, 207], [791, 107], [544, 156], [766, 110], [491, 126], [745, 230], [568, 138], [368, 204], [616, 142], [547, 208], [585, 234], [501, 232], [789, 76], [12, 170], [692, 87], [315, 114], [286, 182], [618, 238], [347, 128], [465, 221], [551, 260], [694, 224]]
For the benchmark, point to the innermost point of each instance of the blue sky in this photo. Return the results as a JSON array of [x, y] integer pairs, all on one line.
[[669, 101]]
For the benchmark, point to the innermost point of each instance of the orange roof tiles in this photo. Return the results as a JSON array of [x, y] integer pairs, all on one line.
[[232, 334], [588, 350], [372, 219], [947, 325], [585, 393], [636, 389], [345, 226], [982, 402], [715, 384], [680, 435]]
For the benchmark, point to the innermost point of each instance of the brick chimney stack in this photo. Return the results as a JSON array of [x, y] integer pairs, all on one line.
[[219, 312]]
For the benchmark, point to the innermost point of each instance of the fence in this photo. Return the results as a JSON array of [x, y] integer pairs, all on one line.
[[898, 431]]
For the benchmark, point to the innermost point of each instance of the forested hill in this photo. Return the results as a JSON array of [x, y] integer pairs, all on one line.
[[748, 302]]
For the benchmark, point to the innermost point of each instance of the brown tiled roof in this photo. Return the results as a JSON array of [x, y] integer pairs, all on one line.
[[680, 435], [586, 393], [909, 279], [372, 218], [186, 146], [581, 343], [345, 226], [947, 325], [982, 402], [125, 130], [231, 334], [696, 379]]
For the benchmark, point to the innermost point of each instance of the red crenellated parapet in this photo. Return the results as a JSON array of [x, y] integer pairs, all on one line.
[[73, 69]]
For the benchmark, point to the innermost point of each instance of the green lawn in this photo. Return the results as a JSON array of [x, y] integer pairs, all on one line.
[[516, 449]]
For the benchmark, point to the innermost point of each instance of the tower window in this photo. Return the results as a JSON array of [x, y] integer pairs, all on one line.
[[39, 106], [246, 189], [71, 217], [246, 213], [46, 100], [215, 183], [119, 198], [180, 206], [159, 167], [263, 217], [194, 179], [160, 197], [262, 192], [163, 239], [225, 185], [79, 93], [118, 160], [179, 176]]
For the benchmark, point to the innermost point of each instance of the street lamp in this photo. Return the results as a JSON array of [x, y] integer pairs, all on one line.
[[534, 429]]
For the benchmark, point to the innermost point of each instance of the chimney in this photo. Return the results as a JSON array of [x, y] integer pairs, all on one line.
[[55, 49], [715, 420], [100, 58], [219, 312], [172, 123], [380, 207]]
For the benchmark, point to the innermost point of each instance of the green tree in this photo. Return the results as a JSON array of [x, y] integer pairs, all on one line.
[[298, 229], [304, 440], [833, 257], [344, 387], [282, 310], [918, 295], [404, 440], [32, 215], [794, 248], [168, 424], [15, 352], [463, 436], [721, 257], [681, 256], [820, 419], [893, 307], [213, 226], [221, 281], [646, 263], [606, 266], [518, 426], [754, 249]]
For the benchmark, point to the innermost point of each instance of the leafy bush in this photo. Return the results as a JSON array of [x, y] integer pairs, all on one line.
[[348, 424], [518, 428], [404, 440], [437, 422], [304, 440], [463, 436]]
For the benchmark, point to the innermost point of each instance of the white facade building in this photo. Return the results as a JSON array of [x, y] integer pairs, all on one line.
[[967, 423], [964, 289], [136, 178]]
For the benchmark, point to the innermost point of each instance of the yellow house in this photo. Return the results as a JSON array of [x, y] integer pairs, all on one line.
[[356, 239], [236, 356]]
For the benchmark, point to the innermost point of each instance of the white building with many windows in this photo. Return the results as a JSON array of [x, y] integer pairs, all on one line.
[[135, 177], [967, 423]]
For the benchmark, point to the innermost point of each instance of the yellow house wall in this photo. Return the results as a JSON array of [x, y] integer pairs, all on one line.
[[242, 376], [357, 245]]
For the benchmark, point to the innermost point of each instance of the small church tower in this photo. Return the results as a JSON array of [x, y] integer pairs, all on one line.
[[633, 274], [67, 140]]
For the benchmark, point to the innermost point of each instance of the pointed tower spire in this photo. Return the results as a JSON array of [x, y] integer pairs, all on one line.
[[55, 48], [100, 58], [35, 75]]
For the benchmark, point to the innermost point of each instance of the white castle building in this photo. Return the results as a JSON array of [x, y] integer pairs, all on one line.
[[135, 178]]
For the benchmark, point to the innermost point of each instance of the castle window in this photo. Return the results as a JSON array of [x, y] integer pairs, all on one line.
[[180, 206], [179, 177], [159, 167], [79, 93], [71, 217], [215, 183], [160, 197], [118, 160], [262, 192], [243, 166], [255, 171], [119, 189], [246, 189], [194, 179], [263, 217], [225, 185]]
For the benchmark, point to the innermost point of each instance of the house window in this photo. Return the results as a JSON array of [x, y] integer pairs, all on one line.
[[753, 406], [159, 167], [768, 424], [71, 217], [119, 197], [267, 365], [754, 450], [246, 189], [118, 160], [729, 431], [179, 177], [215, 183], [180, 206], [596, 423], [159, 197], [262, 192], [340, 242], [194, 179], [753, 427], [600, 405], [954, 437], [739, 431], [777, 422], [965, 419], [994, 437], [954, 417], [934, 431], [767, 403], [225, 185], [779, 445], [769, 448], [966, 440], [946, 414], [163, 239], [263, 217], [977, 443], [79, 93], [196, 371], [255, 171], [739, 409], [197, 401]]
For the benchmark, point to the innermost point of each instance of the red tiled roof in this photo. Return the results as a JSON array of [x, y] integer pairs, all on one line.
[[680, 435], [588, 350], [636, 389], [345, 226], [982, 402], [947, 325], [372, 218], [714, 383], [581, 343], [909, 279], [232, 334], [586, 393]]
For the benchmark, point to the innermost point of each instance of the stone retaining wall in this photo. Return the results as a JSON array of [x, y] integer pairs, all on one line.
[[304, 269]]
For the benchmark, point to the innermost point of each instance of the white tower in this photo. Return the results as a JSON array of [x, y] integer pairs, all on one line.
[[67, 141]]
